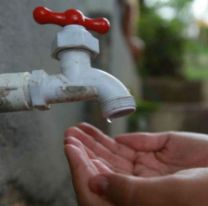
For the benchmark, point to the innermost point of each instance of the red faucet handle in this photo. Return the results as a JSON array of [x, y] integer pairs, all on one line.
[[44, 15]]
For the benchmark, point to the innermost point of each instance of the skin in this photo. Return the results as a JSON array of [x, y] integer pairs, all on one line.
[[82, 169], [117, 169]]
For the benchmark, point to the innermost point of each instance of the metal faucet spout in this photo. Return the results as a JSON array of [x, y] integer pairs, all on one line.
[[114, 97]]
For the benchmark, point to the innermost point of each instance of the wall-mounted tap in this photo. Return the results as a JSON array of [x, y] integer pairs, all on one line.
[[73, 47]]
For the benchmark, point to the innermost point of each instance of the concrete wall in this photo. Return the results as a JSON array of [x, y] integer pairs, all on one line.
[[31, 143]]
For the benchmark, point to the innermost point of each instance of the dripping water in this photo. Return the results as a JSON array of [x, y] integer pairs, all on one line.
[[109, 120]]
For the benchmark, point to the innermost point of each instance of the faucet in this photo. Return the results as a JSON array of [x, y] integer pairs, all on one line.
[[73, 46]]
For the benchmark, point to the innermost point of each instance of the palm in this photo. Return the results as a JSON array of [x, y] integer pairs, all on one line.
[[143, 154]]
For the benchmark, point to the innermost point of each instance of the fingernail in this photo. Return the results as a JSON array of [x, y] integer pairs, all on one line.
[[99, 184]]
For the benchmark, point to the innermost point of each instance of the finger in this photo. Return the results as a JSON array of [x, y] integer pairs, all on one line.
[[79, 162], [100, 151], [113, 168], [147, 142], [76, 142], [128, 190], [82, 170], [108, 142], [102, 168], [91, 155], [116, 188]]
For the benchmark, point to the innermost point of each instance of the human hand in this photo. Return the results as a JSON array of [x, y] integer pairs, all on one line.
[[186, 187], [144, 154], [82, 169]]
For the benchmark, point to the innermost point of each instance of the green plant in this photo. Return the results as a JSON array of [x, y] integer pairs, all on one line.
[[143, 110], [163, 55]]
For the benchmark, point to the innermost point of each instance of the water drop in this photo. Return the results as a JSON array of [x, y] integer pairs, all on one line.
[[109, 120]]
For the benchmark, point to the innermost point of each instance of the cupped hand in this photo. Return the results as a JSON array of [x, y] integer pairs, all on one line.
[[144, 154], [184, 188], [82, 170]]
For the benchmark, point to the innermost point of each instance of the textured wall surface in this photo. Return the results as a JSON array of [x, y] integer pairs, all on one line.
[[31, 143], [33, 168]]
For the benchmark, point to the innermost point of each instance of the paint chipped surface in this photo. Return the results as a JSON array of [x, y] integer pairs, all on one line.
[[5, 104], [4, 91]]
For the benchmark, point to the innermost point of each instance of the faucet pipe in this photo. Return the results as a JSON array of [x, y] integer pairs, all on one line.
[[27, 91], [51, 89], [78, 82], [73, 46], [114, 97], [14, 93]]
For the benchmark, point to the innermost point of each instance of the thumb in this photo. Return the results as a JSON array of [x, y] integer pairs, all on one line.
[[117, 188], [124, 190]]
